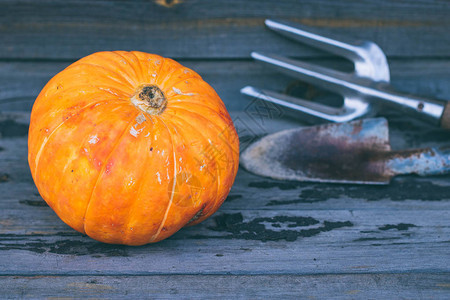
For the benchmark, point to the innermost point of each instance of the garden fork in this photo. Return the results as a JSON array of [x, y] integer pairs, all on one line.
[[363, 90]]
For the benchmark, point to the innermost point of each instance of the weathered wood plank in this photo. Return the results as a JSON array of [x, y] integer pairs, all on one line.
[[214, 29], [362, 286], [332, 229], [21, 82], [259, 230], [321, 254], [363, 226]]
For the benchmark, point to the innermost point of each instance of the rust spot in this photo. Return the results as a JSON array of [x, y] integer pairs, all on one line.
[[357, 127], [332, 158]]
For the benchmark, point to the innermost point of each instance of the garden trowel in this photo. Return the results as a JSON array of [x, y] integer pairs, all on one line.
[[354, 152]]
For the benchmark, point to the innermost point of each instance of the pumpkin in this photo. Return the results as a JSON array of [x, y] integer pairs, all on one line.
[[129, 147]]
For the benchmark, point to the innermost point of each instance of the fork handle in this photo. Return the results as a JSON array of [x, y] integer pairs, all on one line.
[[434, 111]]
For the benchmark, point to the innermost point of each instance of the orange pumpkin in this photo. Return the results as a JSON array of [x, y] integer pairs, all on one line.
[[129, 147]]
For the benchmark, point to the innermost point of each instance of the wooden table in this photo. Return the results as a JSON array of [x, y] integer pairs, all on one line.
[[270, 239]]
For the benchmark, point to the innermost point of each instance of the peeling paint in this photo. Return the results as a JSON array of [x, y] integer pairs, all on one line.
[[258, 229]]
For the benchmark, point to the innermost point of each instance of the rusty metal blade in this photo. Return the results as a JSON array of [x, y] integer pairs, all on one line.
[[354, 152]]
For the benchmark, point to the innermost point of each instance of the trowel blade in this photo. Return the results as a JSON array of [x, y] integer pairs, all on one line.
[[351, 152]]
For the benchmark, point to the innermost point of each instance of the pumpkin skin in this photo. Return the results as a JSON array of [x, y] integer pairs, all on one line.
[[129, 147]]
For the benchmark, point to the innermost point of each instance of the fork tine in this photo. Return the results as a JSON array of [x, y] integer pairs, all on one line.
[[310, 36], [370, 61], [326, 78], [311, 111]]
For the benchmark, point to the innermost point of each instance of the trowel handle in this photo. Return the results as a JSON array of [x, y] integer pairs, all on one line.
[[423, 162]]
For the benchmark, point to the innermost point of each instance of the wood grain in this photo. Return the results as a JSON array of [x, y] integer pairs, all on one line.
[[214, 29], [194, 251], [362, 286], [21, 82]]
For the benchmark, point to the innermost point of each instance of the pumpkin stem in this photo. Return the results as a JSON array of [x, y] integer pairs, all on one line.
[[150, 99]]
